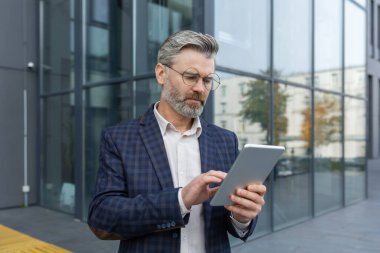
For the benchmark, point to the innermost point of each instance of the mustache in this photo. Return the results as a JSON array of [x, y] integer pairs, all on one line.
[[195, 96]]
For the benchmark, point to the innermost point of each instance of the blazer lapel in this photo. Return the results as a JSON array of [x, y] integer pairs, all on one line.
[[210, 154], [152, 139], [208, 151], [204, 149]]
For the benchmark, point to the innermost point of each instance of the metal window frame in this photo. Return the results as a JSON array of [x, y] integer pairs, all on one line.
[[203, 12]]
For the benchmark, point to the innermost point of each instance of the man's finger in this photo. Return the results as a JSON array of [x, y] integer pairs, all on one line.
[[212, 191], [213, 176], [217, 173], [243, 202], [258, 188]]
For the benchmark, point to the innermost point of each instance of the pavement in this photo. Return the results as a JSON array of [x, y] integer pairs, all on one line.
[[353, 229]]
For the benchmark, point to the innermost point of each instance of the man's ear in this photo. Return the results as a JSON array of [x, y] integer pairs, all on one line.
[[160, 74]]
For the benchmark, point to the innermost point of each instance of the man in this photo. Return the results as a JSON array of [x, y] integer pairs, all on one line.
[[156, 173]]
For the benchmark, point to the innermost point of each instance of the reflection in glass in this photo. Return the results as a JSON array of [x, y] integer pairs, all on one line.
[[58, 188], [292, 40], [247, 114], [109, 105], [354, 50], [58, 41], [243, 49], [245, 110], [108, 50], [99, 11], [328, 45], [378, 33], [361, 2], [292, 189], [328, 152], [354, 150], [155, 21]]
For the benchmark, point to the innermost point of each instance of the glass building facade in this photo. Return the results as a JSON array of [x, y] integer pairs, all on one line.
[[293, 73]]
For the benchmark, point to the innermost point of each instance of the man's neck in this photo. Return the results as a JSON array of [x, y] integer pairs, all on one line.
[[180, 122]]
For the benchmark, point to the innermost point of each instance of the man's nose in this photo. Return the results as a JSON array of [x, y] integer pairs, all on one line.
[[199, 86]]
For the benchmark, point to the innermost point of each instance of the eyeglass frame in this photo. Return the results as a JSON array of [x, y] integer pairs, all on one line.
[[199, 76]]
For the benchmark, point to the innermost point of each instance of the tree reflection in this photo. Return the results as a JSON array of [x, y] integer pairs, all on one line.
[[256, 108], [327, 121]]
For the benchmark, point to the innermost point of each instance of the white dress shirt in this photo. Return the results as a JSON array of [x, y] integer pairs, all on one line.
[[184, 159]]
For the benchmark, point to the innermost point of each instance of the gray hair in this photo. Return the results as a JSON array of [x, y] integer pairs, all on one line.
[[172, 46]]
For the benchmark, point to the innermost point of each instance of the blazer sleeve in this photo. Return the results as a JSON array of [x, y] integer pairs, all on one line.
[[231, 229], [114, 215]]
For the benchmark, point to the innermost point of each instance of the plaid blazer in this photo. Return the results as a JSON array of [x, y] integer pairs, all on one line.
[[135, 200]]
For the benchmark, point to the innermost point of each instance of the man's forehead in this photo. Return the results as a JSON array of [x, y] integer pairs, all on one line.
[[191, 58]]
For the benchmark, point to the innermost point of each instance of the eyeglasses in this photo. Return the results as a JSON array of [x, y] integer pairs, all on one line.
[[191, 77]]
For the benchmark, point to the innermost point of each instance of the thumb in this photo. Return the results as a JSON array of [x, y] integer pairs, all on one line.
[[212, 191]]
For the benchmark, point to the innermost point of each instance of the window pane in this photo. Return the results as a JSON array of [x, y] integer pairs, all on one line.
[[354, 149], [109, 39], [99, 11], [58, 188], [243, 49], [242, 105], [378, 31], [371, 20], [292, 188], [155, 21], [328, 152], [355, 46], [292, 40], [109, 105], [58, 41], [328, 45], [361, 2]]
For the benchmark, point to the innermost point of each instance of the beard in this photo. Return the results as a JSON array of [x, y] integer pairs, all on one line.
[[178, 102]]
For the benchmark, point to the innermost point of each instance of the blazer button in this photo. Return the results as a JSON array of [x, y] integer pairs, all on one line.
[[163, 225], [158, 226], [172, 224], [168, 225], [175, 235]]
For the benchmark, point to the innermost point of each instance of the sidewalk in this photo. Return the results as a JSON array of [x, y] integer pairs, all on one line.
[[352, 229]]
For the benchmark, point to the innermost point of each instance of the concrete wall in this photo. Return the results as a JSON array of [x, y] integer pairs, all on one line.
[[373, 177], [18, 46]]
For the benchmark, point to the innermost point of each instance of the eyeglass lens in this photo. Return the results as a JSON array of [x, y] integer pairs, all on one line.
[[191, 77]]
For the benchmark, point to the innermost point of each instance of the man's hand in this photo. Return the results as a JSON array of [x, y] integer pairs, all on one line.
[[247, 203], [198, 190]]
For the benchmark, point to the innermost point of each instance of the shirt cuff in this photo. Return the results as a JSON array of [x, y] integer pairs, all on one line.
[[240, 228], [182, 206]]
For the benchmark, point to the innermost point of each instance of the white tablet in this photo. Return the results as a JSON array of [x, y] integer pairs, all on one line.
[[253, 164]]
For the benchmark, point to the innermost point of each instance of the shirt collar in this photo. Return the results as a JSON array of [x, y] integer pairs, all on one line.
[[164, 125]]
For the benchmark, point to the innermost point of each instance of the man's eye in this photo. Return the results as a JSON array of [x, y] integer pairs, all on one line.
[[191, 77], [207, 80]]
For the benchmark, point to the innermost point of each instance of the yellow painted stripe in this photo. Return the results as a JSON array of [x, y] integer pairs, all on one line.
[[12, 241]]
